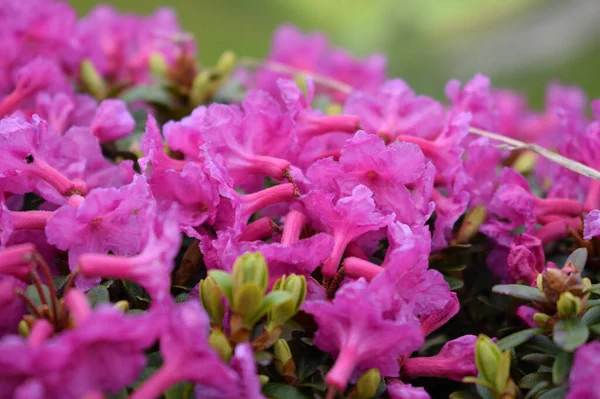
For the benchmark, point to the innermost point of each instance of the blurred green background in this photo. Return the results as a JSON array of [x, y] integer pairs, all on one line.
[[520, 44]]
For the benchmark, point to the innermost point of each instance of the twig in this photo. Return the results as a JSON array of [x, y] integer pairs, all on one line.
[[513, 144], [275, 66]]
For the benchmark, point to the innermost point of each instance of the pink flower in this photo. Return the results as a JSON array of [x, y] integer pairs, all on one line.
[[354, 330], [63, 110], [396, 110], [345, 219], [475, 97], [591, 225], [525, 258], [112, 121], [585, 367], [152, 267], [455, 361], [107, 219], [388, 172], [398, 390]]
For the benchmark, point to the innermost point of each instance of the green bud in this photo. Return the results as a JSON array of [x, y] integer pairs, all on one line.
[[502, 372], [158, 65], [300, 81], [24, 329], [201, 85], [247, 302], [226, 63], [123, 306], [525, 162], [263, 379], [294, 285], [367, 384], [470, 225], [487, 358], [539, 282], [221, 344], [210, 295], [92, 80], [568, 305], [251, 267], [541, 319], [283, 355]]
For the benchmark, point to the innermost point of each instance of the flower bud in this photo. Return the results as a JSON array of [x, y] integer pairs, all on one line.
[[24, 328], [556, 281], [123, 306], [210, 295], [525, 162], [247, 302], [250, 268], [220, 343], [263, 379], [283, 355], [92, 80], [541, 319], [502, 376], [568, 305], [367, 384], [158, 65], [294, 285], [226, 64], [470, 225], [487, 358]]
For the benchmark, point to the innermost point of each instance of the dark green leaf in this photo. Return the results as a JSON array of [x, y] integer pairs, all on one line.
[[578, 258], [98, 295], [263, 358], [33, 294], [276, 390], [148, 93], [60, 281], [562, 367], [542, 344], [154, 360], [463, 395], [539, 358], [595, 328], [182, 297], [570, 334], [520, 291], [592, 303], [592, 316], [517, 338], [135, 291], [556, 393], [454, 283], [307, 359], [182, 390], [531, 380], [451, 268], [595, 288], [538, 388], [121, 395]]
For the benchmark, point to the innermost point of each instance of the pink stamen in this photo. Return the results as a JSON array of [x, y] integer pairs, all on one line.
[[314, 126], [344, 365], [294, 223], [252, 203], [258, 230], [34, 220], [17, 260], [78, 305], [357, 268]]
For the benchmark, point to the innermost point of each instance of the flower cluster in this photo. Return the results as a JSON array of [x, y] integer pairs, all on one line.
[[163, 234]]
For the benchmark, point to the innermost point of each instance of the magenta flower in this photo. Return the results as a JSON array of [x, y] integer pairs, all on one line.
[[480, 165], [398, 175], [591, 225], [398, 390], [312, 53], [119, 45], [112, 121], [447, 210], [12, 307], [477, 98], [152, 267], [354, 330], [188, 356], [23, 166], [63, 110], [345, 219], [585, 367], [396, 110], [107, 219], [455, 361], [525, 258]]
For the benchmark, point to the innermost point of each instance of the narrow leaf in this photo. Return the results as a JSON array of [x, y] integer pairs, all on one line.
[[516, 339], [570, 334], [561, 367], [578, 259], [520, 291], [224, 281], [97, 295]]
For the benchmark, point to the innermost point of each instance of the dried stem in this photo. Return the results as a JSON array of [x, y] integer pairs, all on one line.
[[511, 144]]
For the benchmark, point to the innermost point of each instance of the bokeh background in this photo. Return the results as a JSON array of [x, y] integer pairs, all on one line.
[[520, 44]]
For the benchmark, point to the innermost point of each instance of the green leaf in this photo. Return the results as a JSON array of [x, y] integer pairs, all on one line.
[[97, 295], [592, 316], [578, 258], [595, 288], [121, 395], [539, 358], [454, 283], [516, 339], [276, 390], [182, 297], [591, 303], [224, 281], [543, 344], [531, 380], [537, 388], [595, 328], [570, 334], [556, 393], [182, 390], [520, 291], [59, 281], [463, 395], [33, 294], [273, 298], [561, 367], [451, 268], [148, 93], [307, 359]]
